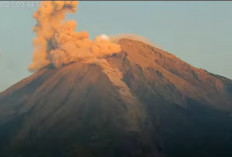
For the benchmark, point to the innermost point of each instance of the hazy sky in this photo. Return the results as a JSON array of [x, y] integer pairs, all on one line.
[[197, 32]]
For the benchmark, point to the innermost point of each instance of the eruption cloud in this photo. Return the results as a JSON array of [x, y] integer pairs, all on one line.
[[58, 43]]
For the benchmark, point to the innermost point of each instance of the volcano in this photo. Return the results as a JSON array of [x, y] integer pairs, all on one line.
[[171, 109]]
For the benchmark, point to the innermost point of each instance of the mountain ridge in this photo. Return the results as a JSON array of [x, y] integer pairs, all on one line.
[[166, 63]]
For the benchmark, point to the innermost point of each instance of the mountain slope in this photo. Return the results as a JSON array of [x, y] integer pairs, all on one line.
[[176, 110], [76, 105], [160, 67], [189, 107]]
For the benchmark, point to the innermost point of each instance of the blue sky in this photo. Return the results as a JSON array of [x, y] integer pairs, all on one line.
[[198, 32]]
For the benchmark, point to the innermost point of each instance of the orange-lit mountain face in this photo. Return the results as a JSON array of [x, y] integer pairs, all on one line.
[[149, 104]]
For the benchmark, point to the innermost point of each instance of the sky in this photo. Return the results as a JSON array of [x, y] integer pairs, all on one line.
[[199, 33]]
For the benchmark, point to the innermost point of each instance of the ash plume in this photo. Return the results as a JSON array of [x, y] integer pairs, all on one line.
[[58, 43]]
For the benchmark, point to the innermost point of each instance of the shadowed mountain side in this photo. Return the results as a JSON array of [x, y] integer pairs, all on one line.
[[77, 106], [189, 107]]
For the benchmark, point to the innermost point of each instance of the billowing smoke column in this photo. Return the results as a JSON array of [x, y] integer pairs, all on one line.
[[59, 44]]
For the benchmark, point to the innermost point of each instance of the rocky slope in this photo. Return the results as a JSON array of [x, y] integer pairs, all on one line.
[[177, 110]]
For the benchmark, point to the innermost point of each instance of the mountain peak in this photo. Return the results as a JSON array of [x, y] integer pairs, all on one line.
[[190, 81]]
